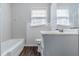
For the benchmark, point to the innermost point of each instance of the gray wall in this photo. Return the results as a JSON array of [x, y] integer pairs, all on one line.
[[53, 16], [5, 22], [0, 29], [21, 16]]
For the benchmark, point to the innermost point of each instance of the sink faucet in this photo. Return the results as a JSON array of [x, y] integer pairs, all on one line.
[[60, 30]]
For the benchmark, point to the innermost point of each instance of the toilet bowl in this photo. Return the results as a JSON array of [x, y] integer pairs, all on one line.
[[39, 43]]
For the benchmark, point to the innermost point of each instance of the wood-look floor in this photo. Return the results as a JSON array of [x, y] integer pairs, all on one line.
[[30, 51]]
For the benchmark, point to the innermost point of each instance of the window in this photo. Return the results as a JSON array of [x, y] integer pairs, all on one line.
[[63, 17], [38, 16]]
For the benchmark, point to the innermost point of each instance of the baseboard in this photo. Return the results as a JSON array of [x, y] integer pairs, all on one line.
[[30, 45]]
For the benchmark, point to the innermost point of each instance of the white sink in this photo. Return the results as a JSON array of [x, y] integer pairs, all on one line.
[[65, 31]]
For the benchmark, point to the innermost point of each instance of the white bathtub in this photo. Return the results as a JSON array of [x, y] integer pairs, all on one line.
[[12, 47]]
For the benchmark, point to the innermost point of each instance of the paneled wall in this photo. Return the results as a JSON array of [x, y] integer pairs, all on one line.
[[21, 17], [5, 22]]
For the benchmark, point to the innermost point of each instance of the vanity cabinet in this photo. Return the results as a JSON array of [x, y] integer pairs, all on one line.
[[60, 45]]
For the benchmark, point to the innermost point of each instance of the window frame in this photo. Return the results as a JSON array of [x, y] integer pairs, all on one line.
[[62, 17], [46, 20]]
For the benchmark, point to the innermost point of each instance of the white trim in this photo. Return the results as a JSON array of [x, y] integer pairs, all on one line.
[[38, 9], [30, 45]]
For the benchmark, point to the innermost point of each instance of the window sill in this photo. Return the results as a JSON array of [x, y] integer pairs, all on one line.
[[63, 25], [36, 25], [68, 26]]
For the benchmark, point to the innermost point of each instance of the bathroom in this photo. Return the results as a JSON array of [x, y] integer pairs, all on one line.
[[30, 29]]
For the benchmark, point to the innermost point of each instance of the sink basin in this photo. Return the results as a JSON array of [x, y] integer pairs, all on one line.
[[66, 31]]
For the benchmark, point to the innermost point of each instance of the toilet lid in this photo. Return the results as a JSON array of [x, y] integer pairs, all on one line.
[[38, 40]]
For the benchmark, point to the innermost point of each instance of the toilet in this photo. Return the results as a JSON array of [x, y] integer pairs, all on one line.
[[39, 43]]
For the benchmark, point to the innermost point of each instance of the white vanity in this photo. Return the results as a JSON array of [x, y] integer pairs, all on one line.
[[60, 43]]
